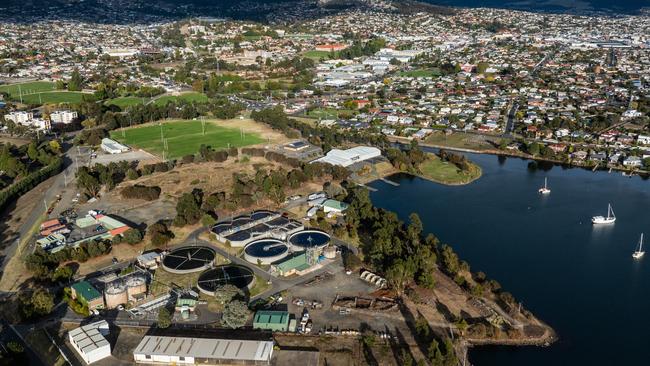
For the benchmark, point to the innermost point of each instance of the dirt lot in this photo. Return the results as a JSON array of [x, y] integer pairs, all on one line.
[[4, 139], [141, 156]]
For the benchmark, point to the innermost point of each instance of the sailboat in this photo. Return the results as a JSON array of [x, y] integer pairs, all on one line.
[[545, 189], [639, 252], [605, 220]]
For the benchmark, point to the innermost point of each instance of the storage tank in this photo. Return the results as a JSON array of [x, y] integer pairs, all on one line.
[[136, 285], [115, 294], [330, 252]]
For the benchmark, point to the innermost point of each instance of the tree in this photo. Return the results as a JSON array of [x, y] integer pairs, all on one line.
[[75, 83], [132, 236], [188, 209], [236, 314], [159, 234], [434, 354], [62, 274], [164, 318], [42, 301], [226, 293], [208, 221], [450, 353]]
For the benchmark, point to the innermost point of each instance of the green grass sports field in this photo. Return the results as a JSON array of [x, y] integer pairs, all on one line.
[[40, 92], [183, 137]]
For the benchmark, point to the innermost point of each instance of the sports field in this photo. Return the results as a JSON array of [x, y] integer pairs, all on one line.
[[40, 92], [317, 55], [183, 137], [188, 97], [421, 73], [124, 102]]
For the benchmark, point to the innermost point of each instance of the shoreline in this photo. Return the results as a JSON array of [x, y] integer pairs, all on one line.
[[521, 155]]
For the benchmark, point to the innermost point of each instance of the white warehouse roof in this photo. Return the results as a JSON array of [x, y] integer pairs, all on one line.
[[205, 348], [349, 156], [89, 341]]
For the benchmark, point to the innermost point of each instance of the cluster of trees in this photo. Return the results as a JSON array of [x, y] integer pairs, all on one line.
[[407, 160], [391, 247], [91, 180], [459, 160], [160, 234], [404, 255], [24, 185], [359, 49], [236, 312], [92, 137], [147, 193], [37, 303], [436, 356], [44, 266], [326, 138]]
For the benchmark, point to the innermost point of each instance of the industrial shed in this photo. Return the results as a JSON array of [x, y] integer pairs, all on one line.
[[89, 341], [161, 350]]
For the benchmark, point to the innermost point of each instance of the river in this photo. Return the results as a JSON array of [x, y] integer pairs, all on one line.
[[580, 279]]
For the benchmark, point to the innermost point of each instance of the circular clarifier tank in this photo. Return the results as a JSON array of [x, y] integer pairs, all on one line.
[[188, 259], [265, 251], [239, 276], [309, 239]]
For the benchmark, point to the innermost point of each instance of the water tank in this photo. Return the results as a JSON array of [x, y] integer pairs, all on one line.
[[114, 295], [136, 285], [330, 252]]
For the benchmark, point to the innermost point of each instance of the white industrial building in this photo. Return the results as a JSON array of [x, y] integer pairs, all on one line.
[[113, 147], [350, 156], [89, 341], [64, 117], [162, 350]]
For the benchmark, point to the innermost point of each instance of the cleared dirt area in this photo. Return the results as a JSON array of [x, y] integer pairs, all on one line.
[[13, 140]]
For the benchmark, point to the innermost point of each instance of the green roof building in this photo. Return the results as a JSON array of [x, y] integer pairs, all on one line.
[[292, 265], [277, 321], [87, 294]]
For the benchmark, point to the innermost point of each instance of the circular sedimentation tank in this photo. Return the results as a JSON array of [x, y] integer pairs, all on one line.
[[309, 239], [212, 279], [265, 251], [188, 259]]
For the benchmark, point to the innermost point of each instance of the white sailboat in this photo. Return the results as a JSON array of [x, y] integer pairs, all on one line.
[[545, 189], [605, 220], [639, 252]]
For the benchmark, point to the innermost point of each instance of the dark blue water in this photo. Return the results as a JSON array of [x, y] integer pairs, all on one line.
[[580, 279], [550, 6]]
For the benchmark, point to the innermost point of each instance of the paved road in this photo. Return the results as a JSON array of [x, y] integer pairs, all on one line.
[[71, 158], [510, 125]]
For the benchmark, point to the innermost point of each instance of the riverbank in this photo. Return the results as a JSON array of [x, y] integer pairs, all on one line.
[[445, 172], [519, 154]]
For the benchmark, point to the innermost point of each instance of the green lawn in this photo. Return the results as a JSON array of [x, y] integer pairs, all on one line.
[[317, 55], [183, 137], [54, 97], [329, 113], [124, 102], [39, 92], [27, 88], [188, 97], [447, 173], [421, 73]]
